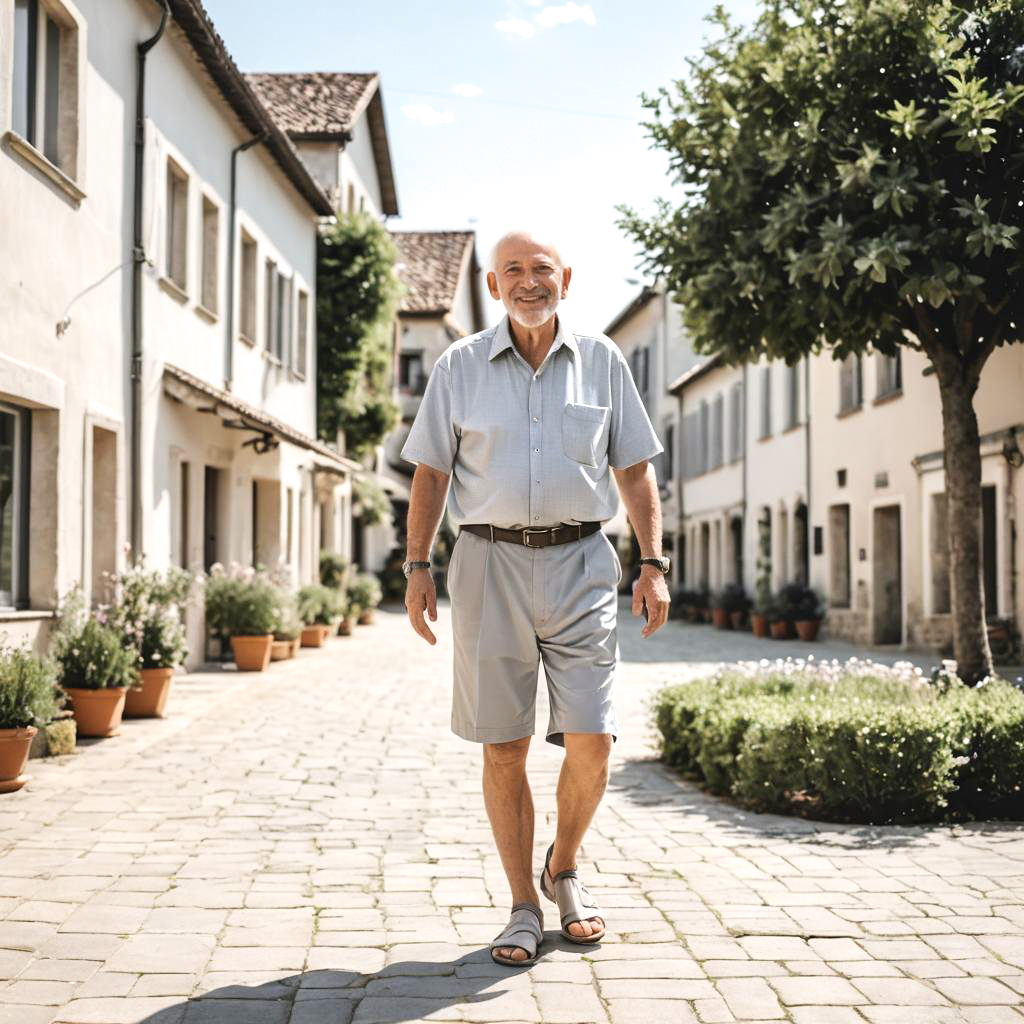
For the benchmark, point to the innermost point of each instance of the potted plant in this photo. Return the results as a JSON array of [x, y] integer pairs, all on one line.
[[319, 609], [719, 611], [333, 570], [287, 632], [245, 609], [781, 617], [702, 603], [805, 609], [146, 612], [760, 612], [94, 668], [365, 591], [349, 613], [29, 699], [736, 603], [161, 648]]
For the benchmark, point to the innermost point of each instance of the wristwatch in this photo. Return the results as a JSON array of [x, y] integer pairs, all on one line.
[[407, 567], [664, 563]]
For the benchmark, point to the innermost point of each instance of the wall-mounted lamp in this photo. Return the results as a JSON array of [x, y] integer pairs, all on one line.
[[1011, 450]]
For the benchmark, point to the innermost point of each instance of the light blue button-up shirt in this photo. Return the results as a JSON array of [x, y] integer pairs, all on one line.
[[529, 448]]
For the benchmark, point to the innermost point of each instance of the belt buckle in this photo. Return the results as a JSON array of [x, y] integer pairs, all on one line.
[[526, 536]]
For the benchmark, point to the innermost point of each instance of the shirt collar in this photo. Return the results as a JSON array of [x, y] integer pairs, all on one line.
[[563, 336]]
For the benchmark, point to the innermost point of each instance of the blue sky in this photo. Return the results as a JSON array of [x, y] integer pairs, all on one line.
[[544, 131]]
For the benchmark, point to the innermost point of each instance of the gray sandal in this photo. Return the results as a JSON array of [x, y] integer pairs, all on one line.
[[574, 899], [525, 931]]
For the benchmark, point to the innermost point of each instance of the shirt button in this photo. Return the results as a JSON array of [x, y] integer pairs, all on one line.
[[536, 517], [536, 449], [534, 419]]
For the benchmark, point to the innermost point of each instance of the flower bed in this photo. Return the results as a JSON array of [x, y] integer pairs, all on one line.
[[850, 742]]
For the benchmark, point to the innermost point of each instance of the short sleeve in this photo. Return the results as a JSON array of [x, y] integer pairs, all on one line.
[[632, 437], [432, 438]]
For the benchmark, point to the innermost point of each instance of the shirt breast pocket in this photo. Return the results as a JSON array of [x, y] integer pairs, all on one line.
[[585, 432]]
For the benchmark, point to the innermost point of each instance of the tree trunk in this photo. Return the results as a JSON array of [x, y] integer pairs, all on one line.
[[962, 460]]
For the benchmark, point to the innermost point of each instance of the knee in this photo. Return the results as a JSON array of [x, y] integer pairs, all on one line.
[[588, 752], [510, 756]]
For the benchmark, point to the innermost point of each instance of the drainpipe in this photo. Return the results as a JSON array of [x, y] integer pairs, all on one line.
[[229, 319], [138, 258]]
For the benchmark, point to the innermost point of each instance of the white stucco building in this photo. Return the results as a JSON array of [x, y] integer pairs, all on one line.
[[650, 333], [174, 405], [443, 302]]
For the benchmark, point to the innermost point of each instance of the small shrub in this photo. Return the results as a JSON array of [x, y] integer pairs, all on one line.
[[241, 607], [94, 658], [333, 570], [319, 605], [854, 742], [365, 591], [29, 694], [731, 598], [289, 625]]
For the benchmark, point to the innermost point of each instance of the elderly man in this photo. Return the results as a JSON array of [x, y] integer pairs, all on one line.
[[525, 419]]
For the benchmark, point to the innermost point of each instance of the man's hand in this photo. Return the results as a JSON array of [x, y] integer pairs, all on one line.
[[420, 593], [651, 590]]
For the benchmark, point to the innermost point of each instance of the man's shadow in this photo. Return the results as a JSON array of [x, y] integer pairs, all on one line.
[[399, 992]]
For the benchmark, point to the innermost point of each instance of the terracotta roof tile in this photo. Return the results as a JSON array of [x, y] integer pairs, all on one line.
[[430, 266], [314, 102]]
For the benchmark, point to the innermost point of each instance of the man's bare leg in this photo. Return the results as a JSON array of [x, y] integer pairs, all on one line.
[[581, 785], [509, 804]]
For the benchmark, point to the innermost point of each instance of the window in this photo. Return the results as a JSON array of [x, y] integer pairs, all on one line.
[[766, 401], [15, 426], [939, 537], [184, 512], [248, 289], [272, 310], [284, 316], [691, 446], [705, 437], [211, 227], [670, 450], [890, 374], [45, 86], [792, 396], [302, 340], [639, 364], [411, 378], [717, 427], [736, 422], [850, 391], [839, 555], [177, 225]]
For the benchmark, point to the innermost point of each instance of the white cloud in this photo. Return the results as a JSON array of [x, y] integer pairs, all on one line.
[[515, 27], [467, 89], [565, 13], [425, 113]]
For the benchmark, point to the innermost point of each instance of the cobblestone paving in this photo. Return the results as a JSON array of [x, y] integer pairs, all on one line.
[[310, 846]]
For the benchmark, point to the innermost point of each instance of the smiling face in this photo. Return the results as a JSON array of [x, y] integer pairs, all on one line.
[[528, 277]]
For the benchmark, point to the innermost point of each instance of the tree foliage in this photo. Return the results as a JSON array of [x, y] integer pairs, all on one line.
[[357, 300], [851, 171]]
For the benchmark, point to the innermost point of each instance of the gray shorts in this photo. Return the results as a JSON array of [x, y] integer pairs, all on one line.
[[513, 607]]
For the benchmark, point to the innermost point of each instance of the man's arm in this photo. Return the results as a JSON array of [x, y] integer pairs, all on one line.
[[426, 506], [638, 488]]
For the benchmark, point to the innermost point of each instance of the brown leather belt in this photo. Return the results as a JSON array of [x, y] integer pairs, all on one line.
[[534, 538]]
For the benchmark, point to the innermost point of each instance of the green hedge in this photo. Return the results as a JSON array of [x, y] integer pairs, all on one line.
[[856, 742]]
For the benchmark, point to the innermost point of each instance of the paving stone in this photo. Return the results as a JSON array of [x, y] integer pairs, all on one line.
[[825, 1015], [567, 1004], [750, 999], [637, 1010], [827, 991], [987, 991], [901, 991], [152, 1010]]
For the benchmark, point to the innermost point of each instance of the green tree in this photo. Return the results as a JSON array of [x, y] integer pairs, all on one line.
[[357, 300], [851, 178]]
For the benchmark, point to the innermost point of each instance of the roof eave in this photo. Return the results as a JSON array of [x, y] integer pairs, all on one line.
[[193, 20]]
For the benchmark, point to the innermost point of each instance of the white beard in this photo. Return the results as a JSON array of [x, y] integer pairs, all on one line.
[[532, 316]]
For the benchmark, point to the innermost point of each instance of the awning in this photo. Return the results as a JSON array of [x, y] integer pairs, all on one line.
[[182, 386]]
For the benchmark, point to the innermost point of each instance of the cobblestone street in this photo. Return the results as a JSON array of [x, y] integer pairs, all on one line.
[[310, 846]]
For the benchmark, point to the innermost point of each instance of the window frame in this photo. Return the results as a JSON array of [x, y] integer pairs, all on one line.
[[209, 210], [302, 333], [176, 202], [852, 364], [248, 297], [16, 599]]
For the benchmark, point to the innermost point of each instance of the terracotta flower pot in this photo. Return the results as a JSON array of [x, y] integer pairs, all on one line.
[[280, 650], [252, 653], [97, 712], [782, 629], [736, 619], [365, 617], [296, 644], [149, 698], [720, 618], [758, 624], [345, 627], [14, 747], [807, 629], [315, 636]]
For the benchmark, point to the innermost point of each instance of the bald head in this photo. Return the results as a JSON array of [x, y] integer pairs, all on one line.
[[528, 274], [522, 239]]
